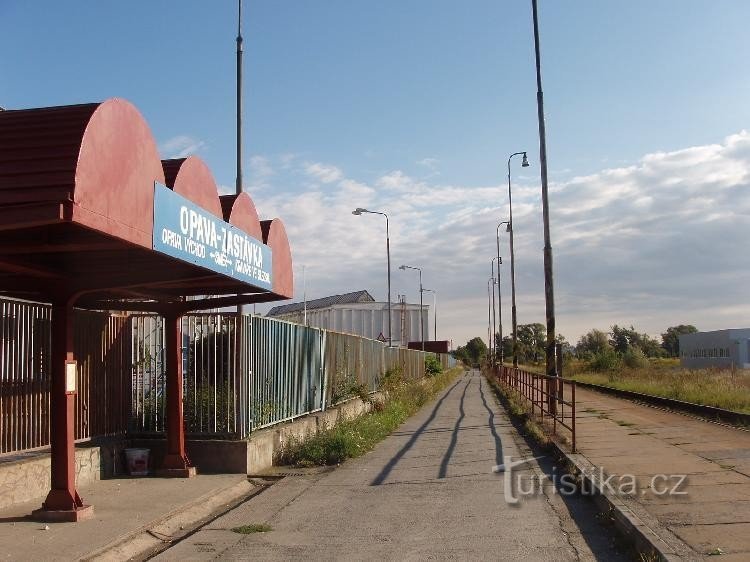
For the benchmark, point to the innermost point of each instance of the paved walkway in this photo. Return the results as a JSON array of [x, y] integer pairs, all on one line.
[[158, 507], [426, 492], [713, 515]]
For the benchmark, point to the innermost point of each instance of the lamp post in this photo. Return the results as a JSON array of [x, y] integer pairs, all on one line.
[[490, 335], [549, 293], [434, 309], [359, 211], [496, 282], [421, 321], [499, 297], [524, 164]]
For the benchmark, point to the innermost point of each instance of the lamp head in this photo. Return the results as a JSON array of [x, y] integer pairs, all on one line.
[[525, 161], [509, 227], [359, 211], [402, 267]]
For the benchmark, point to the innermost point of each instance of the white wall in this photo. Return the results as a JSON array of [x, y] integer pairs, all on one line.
[[368, 320], [721, 348]]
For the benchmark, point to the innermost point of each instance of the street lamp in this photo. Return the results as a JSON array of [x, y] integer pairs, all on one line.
[[549, 293], [359, 211], [497, 282], [421, 322], [434, 308], [490, 292], [524, 164], [499, 297]]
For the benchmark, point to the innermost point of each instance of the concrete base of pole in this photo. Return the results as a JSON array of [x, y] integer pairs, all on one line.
[[63, 515]]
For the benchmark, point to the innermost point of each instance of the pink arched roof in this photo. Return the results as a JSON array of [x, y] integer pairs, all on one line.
[[77, 207], [274, 235], [191, 178]]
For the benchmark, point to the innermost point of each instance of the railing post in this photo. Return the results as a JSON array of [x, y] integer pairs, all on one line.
[[573, 412]]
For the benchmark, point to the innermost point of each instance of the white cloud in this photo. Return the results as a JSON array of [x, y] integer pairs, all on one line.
[[323, 172], [431, 164], [654, 244], [180, 146]]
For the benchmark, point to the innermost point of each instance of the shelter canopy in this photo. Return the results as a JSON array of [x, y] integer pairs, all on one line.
[[77, 188]]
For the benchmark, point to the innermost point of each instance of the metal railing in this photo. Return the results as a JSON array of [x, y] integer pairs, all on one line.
[[245, 374], [101, 346], [545, 394], [285, 369], [240, 373]]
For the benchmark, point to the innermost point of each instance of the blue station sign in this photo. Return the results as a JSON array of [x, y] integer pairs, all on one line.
[[189, 233]]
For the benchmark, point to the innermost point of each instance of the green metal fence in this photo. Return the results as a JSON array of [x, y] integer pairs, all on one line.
[[241, 373]]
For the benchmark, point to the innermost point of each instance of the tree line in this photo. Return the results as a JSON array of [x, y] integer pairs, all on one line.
[[596, 346]]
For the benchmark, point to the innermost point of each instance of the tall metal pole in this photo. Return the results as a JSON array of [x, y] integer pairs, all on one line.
[[388, 252], [511, 228], [421, 309], [238, 185], [494, 317], [548, 280], [421, 306], [358, 212], [499, 297], [489, 316]]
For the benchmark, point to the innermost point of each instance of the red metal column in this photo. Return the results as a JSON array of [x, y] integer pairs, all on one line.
[[176, 462], [63, 502]]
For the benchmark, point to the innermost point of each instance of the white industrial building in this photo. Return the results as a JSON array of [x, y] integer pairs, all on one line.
[[721, 348], [358, 313]]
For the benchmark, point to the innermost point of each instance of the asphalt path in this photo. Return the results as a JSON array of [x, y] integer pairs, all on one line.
[[431, 490]]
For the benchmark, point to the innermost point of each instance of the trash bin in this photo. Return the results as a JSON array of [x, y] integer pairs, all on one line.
[[137, 461]]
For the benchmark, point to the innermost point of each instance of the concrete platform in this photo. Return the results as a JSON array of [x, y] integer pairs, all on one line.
[[131, 516], [713, 514]]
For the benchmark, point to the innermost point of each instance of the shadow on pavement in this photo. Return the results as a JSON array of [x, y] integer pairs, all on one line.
[[491, 424], [386, 470], [454, 438]]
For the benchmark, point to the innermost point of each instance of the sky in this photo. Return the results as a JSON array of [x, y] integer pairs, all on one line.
[[412, 108]]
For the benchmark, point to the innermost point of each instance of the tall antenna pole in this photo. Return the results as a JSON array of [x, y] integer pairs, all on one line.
[[238, 186]]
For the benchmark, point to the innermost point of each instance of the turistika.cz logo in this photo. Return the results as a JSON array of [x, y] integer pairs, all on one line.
[[518, 483]]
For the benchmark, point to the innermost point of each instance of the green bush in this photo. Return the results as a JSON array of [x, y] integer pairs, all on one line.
[[635, 358], [605, 360], [432, 366]]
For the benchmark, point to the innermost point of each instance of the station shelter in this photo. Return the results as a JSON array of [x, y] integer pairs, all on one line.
[[92, 218]]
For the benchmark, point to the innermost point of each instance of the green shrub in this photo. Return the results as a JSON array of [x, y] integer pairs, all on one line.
[[432, 366], [348, 386], [606, 360], [635, 358]]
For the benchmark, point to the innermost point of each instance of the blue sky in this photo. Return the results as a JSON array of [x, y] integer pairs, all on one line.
[[414, 106]]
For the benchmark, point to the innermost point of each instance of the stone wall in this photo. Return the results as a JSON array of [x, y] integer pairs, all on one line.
[[27, 477]]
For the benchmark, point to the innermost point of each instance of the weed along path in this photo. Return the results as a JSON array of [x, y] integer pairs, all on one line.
[[428, 491]]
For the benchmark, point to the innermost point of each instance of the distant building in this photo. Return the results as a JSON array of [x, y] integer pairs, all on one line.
[[721, 348], [358, 313]]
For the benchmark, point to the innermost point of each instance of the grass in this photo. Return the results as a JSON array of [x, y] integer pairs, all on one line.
[[721, 388], [355, 437], [519, 410], [252, 528]]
